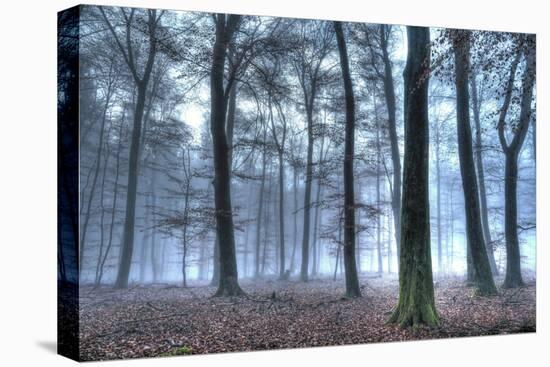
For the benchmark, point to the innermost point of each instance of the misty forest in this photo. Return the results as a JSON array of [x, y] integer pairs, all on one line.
[[252, 183]]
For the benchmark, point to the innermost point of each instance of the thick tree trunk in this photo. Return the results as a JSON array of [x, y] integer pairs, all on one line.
[[481, 178], [482, 271], [229, 129], [416, 304], [352, 282], [228, 280]]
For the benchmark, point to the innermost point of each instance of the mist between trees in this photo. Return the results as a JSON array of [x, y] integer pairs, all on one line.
[[216, 148]]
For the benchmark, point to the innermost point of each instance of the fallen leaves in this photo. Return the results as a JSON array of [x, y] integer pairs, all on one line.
[[165, 320]]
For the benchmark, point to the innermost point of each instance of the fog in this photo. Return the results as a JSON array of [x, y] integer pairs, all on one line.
[[273, 60]]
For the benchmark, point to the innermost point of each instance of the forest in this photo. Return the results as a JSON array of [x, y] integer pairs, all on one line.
[[253, 182]]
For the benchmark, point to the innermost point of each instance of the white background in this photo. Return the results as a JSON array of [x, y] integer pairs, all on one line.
[[28, 182]]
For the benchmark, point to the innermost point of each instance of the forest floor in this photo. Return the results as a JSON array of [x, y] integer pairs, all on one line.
[[164, 320]]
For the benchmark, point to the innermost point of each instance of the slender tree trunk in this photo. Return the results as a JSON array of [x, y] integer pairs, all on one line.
[[102, 216], [513, 276], [143, 246], [416, 304], [378, 198], [480, 261], [314, 248], [115, 202], [452, 225], [260, 211], [246, 240], [295, 217], [481, 177], [266, 224], [389, 246], [358, 244], [389, 94], [131, 196], [304, 276], [438, 179], [141, 84], [184, 231], [352, 282], [154, 260], [96, 170], [282, 266], [338, 245]]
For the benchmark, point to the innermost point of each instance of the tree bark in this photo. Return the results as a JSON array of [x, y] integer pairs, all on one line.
[[96, 170], [416, 304], [131, 196], [352, 282], [295, 217], [438, 184], [282, 266], [481, 177], [307, 197], [389, 93], [378, 198], [228, 281], [512, 150], [141, 84], [115, 201], [483, 277], [260, 211]]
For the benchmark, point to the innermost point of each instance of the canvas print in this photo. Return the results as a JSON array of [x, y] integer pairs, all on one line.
[[240, 183]]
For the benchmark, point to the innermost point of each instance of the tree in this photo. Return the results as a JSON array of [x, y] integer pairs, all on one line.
[[416, 304], [511, 151], [280, 147], [226, 26], [476, 107], [352, 283], [141, 82], [476, 242], [315, 44], [389, 94], [109, 89]]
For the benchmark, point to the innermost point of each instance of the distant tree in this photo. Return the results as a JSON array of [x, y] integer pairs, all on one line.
[[315, 43]]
